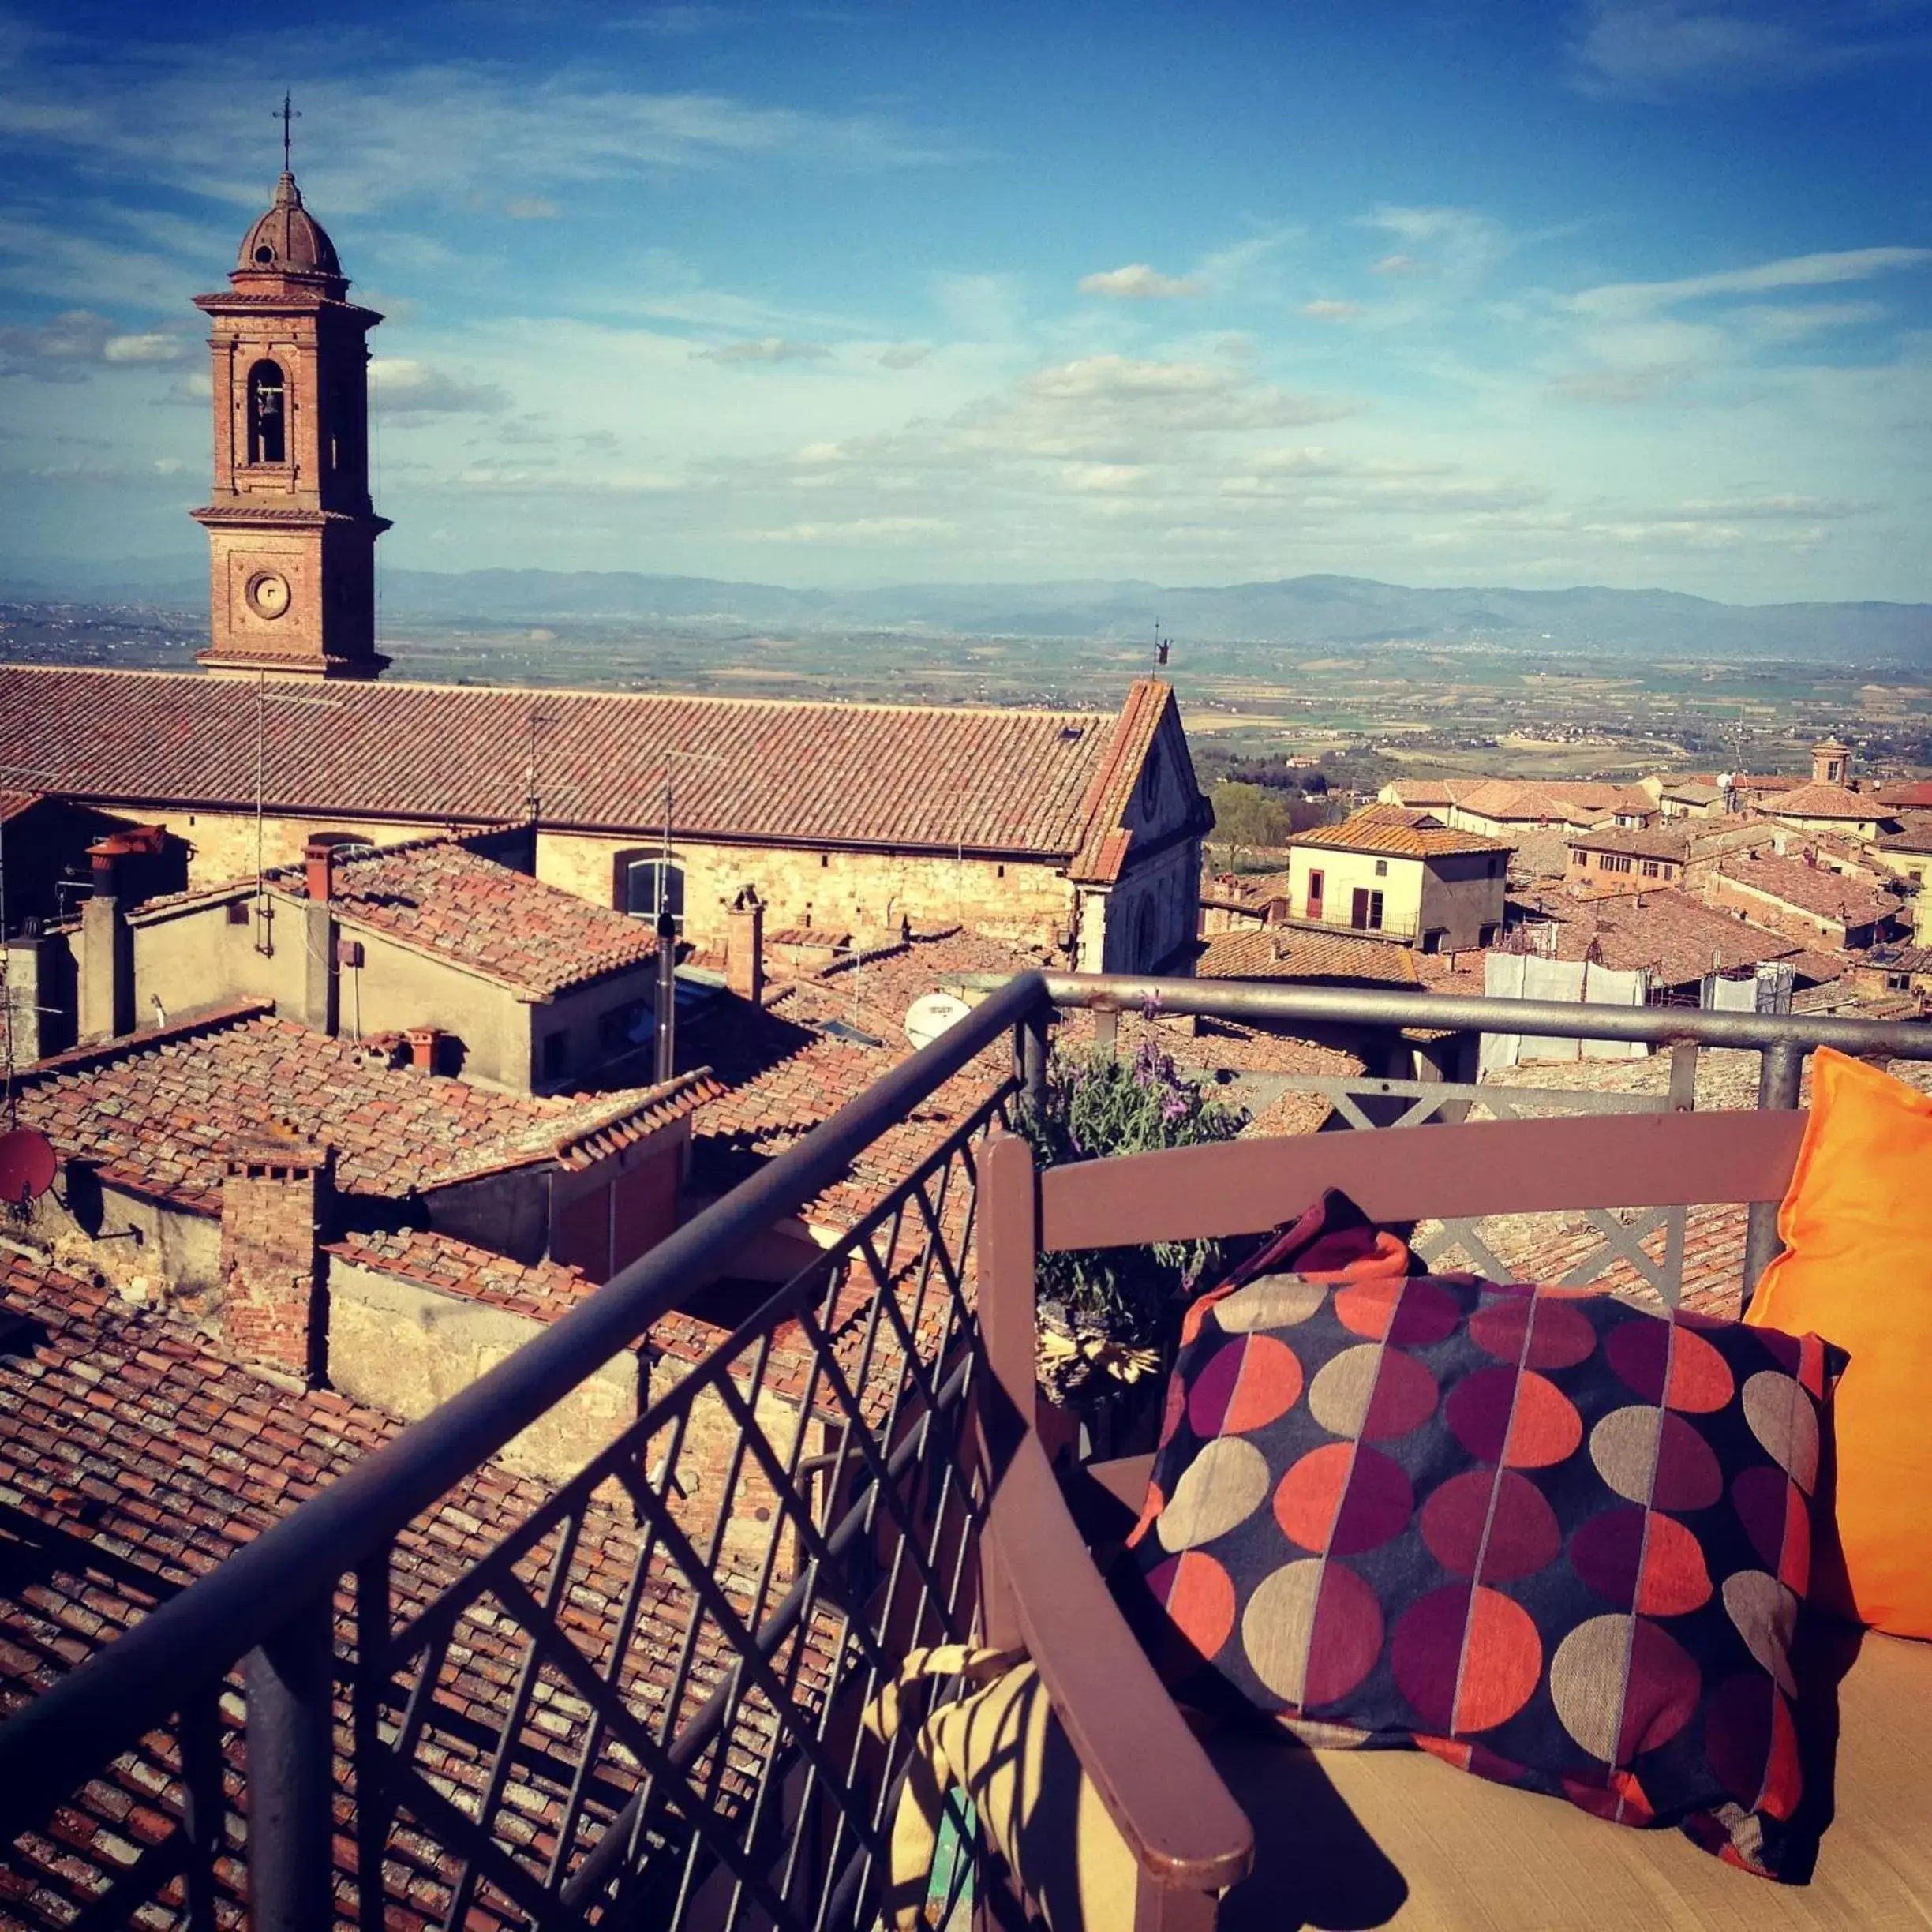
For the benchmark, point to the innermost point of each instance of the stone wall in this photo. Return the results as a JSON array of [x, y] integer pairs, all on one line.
[[866, 894], [403, 1347]]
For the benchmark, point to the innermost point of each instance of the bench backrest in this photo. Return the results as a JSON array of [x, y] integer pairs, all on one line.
[[1245, 1187]]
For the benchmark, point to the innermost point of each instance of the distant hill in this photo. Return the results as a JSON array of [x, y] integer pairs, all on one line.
[[1318, 612]]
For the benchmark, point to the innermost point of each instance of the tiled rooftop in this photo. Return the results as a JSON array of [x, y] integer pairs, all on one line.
[[991, 781], [1914, 834], [1103, 851], [160, 1110], [1678, 937], [1400, 831], [1582, 801], [438, 895], [1653, 842], [1823, 801], [1290, 952], [132, 1461], [1812, 889]]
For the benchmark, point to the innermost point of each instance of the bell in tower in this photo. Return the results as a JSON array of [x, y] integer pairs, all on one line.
[[291, 530]]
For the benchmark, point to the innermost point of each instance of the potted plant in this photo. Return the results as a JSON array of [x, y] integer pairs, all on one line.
[[1109, 1317]]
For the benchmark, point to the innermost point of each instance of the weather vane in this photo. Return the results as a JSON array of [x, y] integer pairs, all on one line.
[[286, 114]]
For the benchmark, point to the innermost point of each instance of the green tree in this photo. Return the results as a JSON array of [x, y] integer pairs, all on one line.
[[1246, 816]]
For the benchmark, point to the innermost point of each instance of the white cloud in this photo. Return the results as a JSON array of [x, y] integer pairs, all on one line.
[[1327, 310], [767, 348], [531, 208], [1400, 264], [857, 529], [1138, 282], [61, 350], [1630, 298], [904, 355], [1663, 50], [402, 387]]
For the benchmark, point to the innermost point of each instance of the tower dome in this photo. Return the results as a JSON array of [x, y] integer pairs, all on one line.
[[288, 240]]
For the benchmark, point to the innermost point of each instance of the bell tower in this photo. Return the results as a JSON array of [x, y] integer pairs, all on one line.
[[291, 530]]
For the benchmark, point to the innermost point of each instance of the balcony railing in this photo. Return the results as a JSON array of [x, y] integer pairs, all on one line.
[[681, 1746]]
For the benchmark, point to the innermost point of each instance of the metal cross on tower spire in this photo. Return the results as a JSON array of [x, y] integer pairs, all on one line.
[[287, 113]]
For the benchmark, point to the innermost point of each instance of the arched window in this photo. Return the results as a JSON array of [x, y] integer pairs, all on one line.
[[654, 885], [1146, 935], [267, 421], [1150, 783]]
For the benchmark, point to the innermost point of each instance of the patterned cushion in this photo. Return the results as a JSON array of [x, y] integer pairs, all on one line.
[[1550, 1537]]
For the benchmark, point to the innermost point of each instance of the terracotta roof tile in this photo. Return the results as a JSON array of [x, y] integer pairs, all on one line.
[[113, 1506], [1400, 831], [991, 781], [1653, 842], [1288, 952], [1810, 889], [159, 1110], [1102, 853], [439, 897], [1581, 801], [1823, 801]]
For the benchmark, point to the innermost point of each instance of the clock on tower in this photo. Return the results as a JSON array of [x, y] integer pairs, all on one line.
[[291, 531]]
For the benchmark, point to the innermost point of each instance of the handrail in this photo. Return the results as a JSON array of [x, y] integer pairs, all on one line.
[[1233, 999], [131, 1685]]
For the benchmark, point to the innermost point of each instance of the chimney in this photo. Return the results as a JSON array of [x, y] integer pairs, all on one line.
[[425, 1047], [319, 864], [106, 992], [744, 945], [278, 1202]]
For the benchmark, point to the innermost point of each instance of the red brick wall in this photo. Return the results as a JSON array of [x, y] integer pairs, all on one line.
[[273, 1212]]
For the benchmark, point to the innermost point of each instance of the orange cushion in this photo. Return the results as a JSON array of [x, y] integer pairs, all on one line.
[[1857, 1270]]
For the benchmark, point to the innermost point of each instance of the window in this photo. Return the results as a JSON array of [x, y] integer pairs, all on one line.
[[556, 1055], [1614, 862], [654, 885], [1314, 895], [1433, 939], [1486, 935], [1150, 783], [1898, 982], [1381, 868], [267, 431], [1651, 868]]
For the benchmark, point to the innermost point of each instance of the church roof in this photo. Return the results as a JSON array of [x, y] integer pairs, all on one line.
[[761, 770], [1823, 801], [288, 240]]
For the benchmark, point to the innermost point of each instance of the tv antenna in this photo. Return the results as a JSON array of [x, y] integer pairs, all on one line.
[[263, 942]]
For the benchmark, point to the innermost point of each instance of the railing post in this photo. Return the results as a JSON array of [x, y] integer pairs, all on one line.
[[1780, 1077], [291, 1776], [1033, 1052]]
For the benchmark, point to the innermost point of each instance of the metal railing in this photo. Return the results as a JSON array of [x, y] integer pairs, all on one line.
[[679, 1745]]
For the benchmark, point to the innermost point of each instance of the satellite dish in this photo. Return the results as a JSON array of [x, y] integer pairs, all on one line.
[[930, 1014], [27, 1165]]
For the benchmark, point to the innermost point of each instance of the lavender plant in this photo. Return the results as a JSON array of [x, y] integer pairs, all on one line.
[[1097, 1104]]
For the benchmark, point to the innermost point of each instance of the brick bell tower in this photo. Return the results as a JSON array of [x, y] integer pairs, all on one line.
[[291, 530]]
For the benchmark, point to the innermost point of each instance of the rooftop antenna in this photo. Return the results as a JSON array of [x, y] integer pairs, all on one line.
[[664, 1059], [264, 942], [287, 113], [532, 798]]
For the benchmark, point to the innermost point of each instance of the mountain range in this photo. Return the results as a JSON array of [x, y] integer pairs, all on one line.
[[1320, 612]]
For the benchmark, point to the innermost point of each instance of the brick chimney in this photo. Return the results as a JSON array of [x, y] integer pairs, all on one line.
[[106, 991], [744, 945], [319, 864], [278, 1201], [425, 1047]]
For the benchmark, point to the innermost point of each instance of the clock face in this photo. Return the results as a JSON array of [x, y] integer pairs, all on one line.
[[269, 594]]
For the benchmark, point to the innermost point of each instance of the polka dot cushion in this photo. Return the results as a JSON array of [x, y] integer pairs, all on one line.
[[1555, 1540]]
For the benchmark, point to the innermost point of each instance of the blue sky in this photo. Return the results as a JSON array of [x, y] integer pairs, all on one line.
[[1438, 291]]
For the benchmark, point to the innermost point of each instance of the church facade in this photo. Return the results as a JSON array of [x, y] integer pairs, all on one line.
[[1078, 832]]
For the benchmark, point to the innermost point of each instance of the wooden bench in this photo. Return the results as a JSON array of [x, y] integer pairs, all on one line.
[[1173, 1832]]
